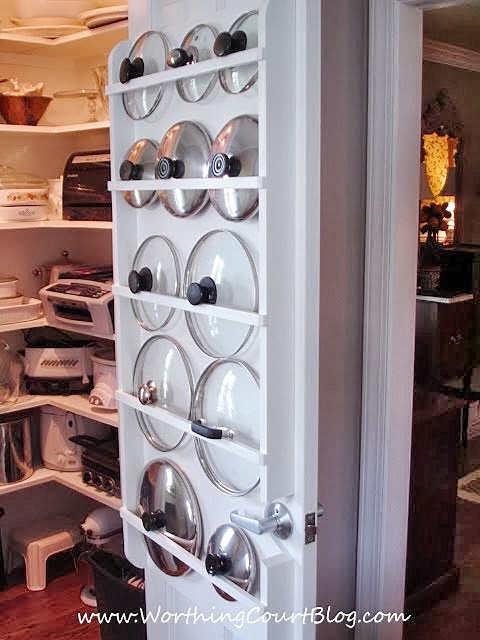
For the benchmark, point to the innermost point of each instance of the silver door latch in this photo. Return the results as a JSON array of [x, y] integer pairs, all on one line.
[[277, 520], [311, 524]]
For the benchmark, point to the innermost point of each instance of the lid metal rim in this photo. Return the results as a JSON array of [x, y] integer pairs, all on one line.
[[154, 440], [189, 316], [223, 83], [138, 317]]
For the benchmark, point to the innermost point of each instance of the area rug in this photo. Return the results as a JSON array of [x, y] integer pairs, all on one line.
[[468, 487]]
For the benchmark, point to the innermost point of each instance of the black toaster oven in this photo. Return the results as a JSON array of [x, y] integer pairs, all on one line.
[[85, 192]]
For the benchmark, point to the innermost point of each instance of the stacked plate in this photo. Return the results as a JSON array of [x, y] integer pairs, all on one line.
[[104, 15]]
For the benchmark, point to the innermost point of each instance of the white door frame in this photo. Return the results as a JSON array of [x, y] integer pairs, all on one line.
[[394, 107]]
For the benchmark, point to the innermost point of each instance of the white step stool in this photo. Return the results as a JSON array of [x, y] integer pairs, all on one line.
[[37, 541]]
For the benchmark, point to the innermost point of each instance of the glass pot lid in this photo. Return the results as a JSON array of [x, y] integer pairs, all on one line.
[[230, 554], [234, 152], [147, 56], [168, 504], [243, 34], [155, 268], [227, 397], [220, 270], [139, 164], [162, 378], [183, 153], [196, 46]]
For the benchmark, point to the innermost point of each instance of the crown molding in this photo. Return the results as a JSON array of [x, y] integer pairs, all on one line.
[[451, 55]]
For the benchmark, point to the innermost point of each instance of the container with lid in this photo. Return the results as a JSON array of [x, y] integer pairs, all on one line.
[[155, 268], [243, 34], [183, 153], [234, 152], [23, 196], [227, 404], [231, 554], [147, 56], [162, 378], [139, 164], [196, 46], [168, 504], [220, 271]]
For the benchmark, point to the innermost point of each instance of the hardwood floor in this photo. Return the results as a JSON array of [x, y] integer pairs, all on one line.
[[50, 614]]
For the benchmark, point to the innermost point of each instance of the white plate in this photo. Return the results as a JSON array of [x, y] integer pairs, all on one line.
[[105, 15], [42, 21], [29, 310], [43, 31]]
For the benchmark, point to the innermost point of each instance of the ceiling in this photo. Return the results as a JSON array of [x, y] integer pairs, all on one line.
[[458, 25]]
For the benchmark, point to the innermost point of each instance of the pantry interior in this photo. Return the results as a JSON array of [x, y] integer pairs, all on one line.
[[30, 248]]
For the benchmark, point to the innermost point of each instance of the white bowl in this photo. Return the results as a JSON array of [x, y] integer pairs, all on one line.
[[55, 8]]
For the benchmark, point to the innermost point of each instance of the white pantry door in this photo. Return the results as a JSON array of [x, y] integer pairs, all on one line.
[[266, 269]]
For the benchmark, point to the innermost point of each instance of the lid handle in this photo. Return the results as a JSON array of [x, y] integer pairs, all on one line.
[[277, 520], [130, 171], [213, 433], [226, 43], [217, 564], [180, 57], [153, 520], [147, 392], [130, 69], [204, 291], [140, 280], [223, 165], [169, 168]]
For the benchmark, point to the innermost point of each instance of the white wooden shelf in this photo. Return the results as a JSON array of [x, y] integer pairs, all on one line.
[[69, 479], [77, 404], [89, 225], [38, 130], [84, 44]]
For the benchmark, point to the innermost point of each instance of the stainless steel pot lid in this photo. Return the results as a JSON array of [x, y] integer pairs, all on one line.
[[139, 164], [234, 152], [220, 270], [183, 153], [227, 397], [243, 34], [231, 554], [162, 378], [147, 56], [196, 46], [168, 504], [155, 268]]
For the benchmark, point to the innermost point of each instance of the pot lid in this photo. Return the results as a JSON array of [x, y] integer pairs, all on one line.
[[10, 178], [147, 56], [227, 396], [155, 268], [139, 164], [196, 46], [230, 554], [168, 504], [234, 152], [220, 270], [243, 34], [162, 378], [183, 153]]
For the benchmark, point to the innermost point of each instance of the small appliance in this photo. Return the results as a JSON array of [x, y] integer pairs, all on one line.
[[58, 370], [100, 462], [57, 426], [85, 192], [102, 395]]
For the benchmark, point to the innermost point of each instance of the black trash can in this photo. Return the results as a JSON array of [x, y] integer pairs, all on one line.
[[117, 597]]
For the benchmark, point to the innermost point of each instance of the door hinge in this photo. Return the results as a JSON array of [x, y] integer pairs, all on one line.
[[311, 524]]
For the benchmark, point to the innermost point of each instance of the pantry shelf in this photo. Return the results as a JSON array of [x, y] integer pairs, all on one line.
[[50, 130], [90, 225]]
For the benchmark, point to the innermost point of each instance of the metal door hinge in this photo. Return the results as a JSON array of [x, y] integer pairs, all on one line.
[[311, 524]]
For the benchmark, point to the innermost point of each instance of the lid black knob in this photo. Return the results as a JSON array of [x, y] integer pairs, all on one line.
[[226, 43], [222, 165], [180, 57], [130, 171], [216, 564], [153, 520], [140, 280], [169, 168], [130, 69], [204, 291]]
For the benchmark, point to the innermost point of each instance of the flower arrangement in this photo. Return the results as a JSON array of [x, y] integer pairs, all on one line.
[[433, 218]]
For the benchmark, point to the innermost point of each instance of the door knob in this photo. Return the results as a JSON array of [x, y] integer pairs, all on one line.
[[277, 520]]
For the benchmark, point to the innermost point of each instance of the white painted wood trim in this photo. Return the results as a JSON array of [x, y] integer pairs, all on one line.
[[451, 55]]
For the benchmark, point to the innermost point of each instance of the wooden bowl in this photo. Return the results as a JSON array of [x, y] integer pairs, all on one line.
[[23, 109]]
